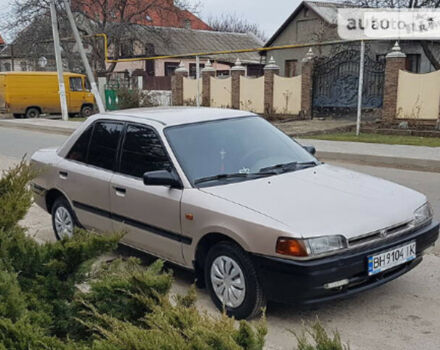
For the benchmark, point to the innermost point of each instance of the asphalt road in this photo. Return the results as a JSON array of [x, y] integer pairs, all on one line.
[[403, 314]]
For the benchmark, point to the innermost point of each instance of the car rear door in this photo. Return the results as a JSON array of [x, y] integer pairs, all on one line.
[[149, 214], [84, 176]]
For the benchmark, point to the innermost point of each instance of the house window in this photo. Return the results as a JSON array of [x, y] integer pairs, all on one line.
[[170, 67], [127, 48], [413, 63], [23, 66], [290, 68], [223, 73], [381, 58], [193, 69]]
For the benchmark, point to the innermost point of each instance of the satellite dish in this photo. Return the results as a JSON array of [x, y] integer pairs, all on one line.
[[42, 61]]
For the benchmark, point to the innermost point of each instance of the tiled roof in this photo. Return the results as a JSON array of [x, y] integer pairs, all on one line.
[[177, 41], [157, 13]]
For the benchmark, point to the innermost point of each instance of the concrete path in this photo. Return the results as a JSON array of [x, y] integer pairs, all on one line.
[[395, 156]]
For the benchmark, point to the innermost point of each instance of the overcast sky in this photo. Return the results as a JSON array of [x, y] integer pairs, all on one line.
[[268, 14]]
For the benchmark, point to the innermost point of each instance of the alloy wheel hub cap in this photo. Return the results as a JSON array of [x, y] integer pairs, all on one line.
[[63, 222], [228, 282]]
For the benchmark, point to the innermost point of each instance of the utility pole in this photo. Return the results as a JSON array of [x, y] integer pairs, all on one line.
[[361, 87], [82, 52], [59, 62]]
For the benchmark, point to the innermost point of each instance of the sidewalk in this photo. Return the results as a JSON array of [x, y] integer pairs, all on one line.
[[395, 156], [51, 126]]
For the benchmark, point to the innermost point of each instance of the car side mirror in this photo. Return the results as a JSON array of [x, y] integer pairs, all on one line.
[[310, 149], [162, 178]]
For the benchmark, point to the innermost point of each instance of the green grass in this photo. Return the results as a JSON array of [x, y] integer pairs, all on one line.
[[378, 138]]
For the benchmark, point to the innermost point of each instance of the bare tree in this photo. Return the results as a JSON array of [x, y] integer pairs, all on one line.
[[235, 24], [30, 24], [427, 46]]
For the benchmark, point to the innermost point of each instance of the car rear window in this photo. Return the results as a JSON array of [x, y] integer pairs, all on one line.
[[79, 150]]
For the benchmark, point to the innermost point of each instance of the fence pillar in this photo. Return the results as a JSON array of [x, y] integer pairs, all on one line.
[[269, 76], [307, 85], [207, 73], [177, 84], [236, 72], [395, 61]]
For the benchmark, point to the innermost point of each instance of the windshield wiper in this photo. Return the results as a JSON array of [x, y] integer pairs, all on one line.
[[285, 167], [234, 176]]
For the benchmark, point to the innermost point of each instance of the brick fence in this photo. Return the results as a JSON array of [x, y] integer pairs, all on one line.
[[395, 62]]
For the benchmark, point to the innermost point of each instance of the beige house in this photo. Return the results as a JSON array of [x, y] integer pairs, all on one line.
[[316, 22]]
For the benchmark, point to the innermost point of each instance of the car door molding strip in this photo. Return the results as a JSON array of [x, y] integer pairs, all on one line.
[[138, 224]]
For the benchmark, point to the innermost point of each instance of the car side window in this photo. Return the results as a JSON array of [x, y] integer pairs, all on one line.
[[79, 150], [104, 144], [75, 84], [142, 151]]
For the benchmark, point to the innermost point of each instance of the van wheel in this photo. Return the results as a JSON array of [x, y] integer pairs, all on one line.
[[33, 113], [63, 219], [232, 281], [86, 111]]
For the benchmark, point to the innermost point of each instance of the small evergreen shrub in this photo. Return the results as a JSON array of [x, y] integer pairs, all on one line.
[[315, 337], [63, 296]]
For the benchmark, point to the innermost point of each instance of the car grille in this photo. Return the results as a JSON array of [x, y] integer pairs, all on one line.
[[372, 237]]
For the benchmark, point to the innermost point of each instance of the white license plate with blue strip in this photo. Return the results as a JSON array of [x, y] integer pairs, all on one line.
[[391, 258]]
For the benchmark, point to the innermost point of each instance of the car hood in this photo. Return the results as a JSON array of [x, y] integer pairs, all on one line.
[[325, 200]]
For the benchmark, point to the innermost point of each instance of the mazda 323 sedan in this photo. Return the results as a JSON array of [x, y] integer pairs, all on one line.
[[228, 195]]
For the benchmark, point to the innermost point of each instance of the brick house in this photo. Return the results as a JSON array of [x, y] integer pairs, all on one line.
[[316, 21]]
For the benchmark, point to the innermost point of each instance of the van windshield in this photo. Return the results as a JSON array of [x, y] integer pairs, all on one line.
[[236, 149]]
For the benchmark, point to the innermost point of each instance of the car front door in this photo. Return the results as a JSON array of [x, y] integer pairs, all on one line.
[[84, 176], [149, 214]]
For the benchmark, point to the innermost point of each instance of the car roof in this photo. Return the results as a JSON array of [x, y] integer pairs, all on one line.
[[169, 116]]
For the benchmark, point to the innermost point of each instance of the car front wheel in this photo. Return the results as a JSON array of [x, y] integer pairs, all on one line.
[[232, 281], [63, 219]]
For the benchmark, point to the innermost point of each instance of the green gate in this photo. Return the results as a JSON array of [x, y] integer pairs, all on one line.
[[111, 100]]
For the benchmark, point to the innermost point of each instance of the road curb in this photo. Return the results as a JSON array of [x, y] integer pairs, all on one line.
[[427, 165], [34, 127]]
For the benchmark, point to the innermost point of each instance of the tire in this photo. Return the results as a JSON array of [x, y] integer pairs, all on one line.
[[33, 113], [244, 305], [62, 213], [86, 111]]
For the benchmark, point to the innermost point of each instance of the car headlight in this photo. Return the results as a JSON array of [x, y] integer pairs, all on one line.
[[310, 247], [423, 214]]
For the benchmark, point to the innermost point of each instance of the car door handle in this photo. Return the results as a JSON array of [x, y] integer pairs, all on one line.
[[63, 175], [120, 192]]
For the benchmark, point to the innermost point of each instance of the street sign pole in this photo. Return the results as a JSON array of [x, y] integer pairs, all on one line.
[[82, 52], [361, 86], [59, 62]]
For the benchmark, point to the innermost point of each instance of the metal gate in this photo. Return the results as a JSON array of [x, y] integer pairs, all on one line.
[[336, 82]]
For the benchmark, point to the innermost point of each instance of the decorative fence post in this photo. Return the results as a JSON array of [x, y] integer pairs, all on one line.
[[207, 73], [177, 84], [395, 61], [236, 72], [307, 85], [269, 75]]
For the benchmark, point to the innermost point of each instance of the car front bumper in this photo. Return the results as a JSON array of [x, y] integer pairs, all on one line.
[[302, 282]]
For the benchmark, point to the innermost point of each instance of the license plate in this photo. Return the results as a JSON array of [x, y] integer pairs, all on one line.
[[391, 258]]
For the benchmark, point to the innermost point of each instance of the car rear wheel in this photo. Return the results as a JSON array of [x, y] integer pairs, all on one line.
[[33, 113], [63, 219], [232, 281], [86, 111]]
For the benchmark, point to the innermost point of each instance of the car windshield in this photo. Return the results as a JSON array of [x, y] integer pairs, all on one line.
[[223, 151]]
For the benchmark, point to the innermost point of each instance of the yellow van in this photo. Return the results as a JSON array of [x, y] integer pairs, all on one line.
[[34, 93]]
